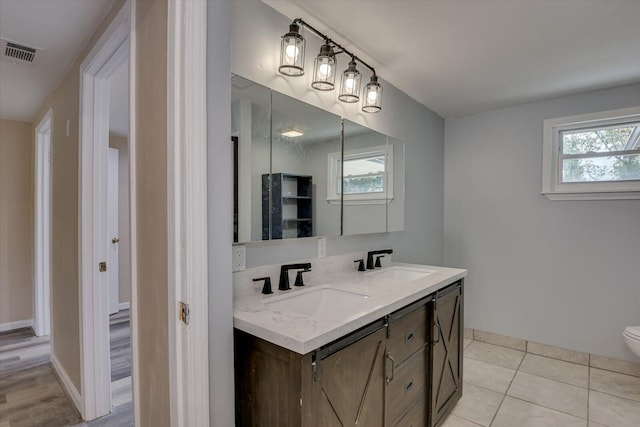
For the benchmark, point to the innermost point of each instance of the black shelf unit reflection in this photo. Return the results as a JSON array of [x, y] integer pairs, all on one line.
[[291, 206]]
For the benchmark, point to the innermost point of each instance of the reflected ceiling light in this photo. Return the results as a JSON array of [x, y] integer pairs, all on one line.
[[350, 84], [292, 133], [324, 68], [292, 52]]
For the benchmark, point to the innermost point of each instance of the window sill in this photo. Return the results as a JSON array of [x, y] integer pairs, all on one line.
[[361, 202], [613, 195]]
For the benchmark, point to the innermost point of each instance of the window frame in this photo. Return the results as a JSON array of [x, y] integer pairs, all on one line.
[[552, 185], [333, 169]]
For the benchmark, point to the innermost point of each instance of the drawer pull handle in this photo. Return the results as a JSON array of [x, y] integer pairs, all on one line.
[[393, 367], [408, 337], [408, 386]]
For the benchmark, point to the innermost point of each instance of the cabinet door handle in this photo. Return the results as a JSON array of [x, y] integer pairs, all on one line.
[[408, 386], [393, 367], [437, 334], [408, 337]]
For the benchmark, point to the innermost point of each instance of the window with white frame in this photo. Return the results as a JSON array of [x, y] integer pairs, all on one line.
[[367, 177], [592, 156]]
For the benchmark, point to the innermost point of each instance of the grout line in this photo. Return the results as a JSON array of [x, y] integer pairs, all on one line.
[[507, 390]]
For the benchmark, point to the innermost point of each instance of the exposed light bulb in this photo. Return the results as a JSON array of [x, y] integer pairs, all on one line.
[[292, 51], [350, 83], [372, 95], [324, 69]]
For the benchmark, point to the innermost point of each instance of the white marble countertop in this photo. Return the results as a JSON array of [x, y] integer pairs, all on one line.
[[303, 334]]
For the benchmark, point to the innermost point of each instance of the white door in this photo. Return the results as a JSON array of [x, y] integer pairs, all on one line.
[[112, 228]]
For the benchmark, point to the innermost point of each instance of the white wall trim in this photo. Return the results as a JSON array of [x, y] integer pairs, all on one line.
[[68, 386], [133, 222], [18, 324], [187, 211], [105, 57], [124, 306], [42, 230]]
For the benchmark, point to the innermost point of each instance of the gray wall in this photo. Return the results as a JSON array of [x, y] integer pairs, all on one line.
[[562, 273], [255, 40]]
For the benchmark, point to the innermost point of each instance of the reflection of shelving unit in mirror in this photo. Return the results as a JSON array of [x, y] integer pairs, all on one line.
[[292, 206]]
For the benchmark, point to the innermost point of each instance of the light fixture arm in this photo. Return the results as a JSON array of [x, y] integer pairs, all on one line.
[[329, 41]]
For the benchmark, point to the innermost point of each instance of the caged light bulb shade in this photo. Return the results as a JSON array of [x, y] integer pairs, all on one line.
[[324, 67], [292, 52], [350, 84], [372, 100]]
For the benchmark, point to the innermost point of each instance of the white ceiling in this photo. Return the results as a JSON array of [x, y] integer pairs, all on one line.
[[61, 28], [459, 57]]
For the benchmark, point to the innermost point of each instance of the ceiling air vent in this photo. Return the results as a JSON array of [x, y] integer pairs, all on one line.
[[18, 53]]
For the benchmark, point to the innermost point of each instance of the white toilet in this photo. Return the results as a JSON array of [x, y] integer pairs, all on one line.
[[631, 336]]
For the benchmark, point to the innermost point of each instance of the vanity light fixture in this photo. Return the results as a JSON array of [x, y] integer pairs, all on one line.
[[350, 84], [372, 100], [292, 52], [324, 69]]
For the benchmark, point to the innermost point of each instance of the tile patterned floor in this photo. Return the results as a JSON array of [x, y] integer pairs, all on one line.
[[504, 387]]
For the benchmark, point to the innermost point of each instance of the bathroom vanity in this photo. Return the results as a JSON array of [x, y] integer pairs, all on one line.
[[382, 348]]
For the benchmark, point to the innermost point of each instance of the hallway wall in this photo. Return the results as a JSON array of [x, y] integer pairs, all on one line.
[[16, 221]]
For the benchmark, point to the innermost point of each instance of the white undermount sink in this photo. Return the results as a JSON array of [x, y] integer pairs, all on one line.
[[401, 274], [314, 300]]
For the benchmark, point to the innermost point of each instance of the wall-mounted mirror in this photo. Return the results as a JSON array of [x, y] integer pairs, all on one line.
[[290, 177], [301, 140]]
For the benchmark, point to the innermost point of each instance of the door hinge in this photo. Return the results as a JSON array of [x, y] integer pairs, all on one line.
[[184, 314], [102, 267]]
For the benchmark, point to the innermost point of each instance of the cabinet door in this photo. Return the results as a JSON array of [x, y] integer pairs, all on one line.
[[349, 387], [446, 367]]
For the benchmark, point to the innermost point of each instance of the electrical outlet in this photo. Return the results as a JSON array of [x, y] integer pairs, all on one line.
[[322, 247], [239, 258]]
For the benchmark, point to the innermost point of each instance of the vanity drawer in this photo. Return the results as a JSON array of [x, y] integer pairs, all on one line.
[[416, 416], [407, 331], [406, 383]]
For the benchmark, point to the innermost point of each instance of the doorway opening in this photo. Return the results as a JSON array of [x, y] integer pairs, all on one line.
[[107, 288]]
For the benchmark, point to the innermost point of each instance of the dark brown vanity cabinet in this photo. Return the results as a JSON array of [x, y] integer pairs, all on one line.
[[402, 370], [445, 363]]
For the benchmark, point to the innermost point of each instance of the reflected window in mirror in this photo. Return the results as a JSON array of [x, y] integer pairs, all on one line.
[[367, 176]]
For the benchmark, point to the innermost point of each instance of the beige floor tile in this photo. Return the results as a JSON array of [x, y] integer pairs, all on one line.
[[617, 384], [453, 421], [501, 340], [466, 342], [551, 394], [486, 375], [494, 354], [612, 410], [555, 369], [592, 424], [517, 413], [468, 333], [558, 353], [615, 365], [477, 404]]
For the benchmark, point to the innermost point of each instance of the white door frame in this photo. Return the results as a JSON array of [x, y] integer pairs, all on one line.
[[42, 215], [187, 211], [111, 50]]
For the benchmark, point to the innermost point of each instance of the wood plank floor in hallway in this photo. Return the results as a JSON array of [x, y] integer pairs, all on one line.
[[30, 394]]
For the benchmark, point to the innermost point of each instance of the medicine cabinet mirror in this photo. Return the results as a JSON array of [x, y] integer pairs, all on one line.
[[291, 179]]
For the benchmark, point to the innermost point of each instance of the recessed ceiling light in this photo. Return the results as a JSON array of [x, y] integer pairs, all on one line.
[[292, 133]]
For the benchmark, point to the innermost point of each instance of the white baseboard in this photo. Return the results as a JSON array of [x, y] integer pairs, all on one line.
[[9, 326], [66, 383], [124, 306]]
